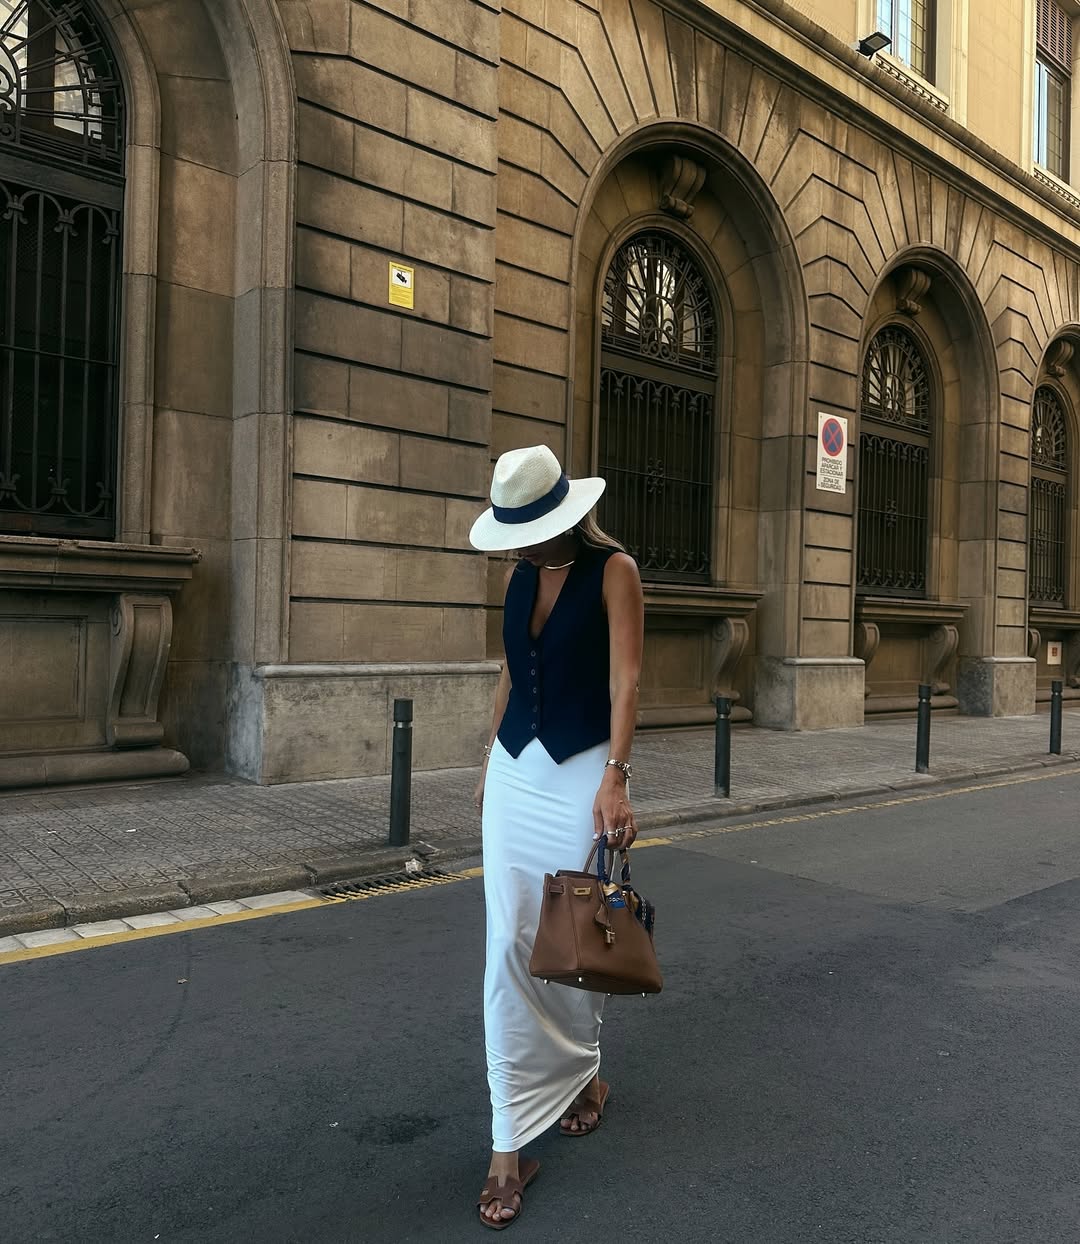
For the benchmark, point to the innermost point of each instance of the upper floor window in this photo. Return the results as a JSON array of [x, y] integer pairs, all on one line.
[[894, 467], [658, 373], [1053, 87], [1048, 518], [909, 23], [61, 195]]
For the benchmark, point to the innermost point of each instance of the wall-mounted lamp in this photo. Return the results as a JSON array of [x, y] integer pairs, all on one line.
[[877, 42]]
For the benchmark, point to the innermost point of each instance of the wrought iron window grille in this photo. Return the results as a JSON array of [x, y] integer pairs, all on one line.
[[657, 304], [1048, 515], [60, 91], [61, 133], [894, 468], [657, 397], [895, 385]]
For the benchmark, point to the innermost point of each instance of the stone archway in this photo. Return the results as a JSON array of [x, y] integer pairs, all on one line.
[[738, 636], [204, 399], [1058, 623], [225, 193], [944, 636]]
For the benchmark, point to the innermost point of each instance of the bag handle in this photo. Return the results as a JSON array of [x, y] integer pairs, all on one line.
[[603, 873], [643, 910]]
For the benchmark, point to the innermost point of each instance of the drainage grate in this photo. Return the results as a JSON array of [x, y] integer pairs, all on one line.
[[393, 883]]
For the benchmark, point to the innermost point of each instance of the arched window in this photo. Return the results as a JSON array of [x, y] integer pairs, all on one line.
[[894, 467], [657, 397], [1049, 498], [61, 193]]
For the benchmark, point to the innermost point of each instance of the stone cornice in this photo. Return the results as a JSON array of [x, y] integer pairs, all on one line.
[[706, 602], [900, 609], [1045, 616], [823, 43]]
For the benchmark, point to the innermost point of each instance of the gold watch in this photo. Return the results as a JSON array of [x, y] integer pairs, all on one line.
[[623, 766]]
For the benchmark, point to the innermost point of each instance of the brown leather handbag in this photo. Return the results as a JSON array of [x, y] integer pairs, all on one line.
[[596, 934]]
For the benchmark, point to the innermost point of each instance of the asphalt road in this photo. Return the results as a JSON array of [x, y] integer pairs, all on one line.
[[869, 1033]]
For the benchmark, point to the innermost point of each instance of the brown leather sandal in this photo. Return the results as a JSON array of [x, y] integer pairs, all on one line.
[[589, 1105], [528, 1169]]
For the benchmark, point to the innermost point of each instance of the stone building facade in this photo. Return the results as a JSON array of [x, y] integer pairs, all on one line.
[[671, 239]]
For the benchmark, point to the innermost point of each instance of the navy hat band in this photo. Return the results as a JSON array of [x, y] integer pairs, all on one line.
[[535, 509]]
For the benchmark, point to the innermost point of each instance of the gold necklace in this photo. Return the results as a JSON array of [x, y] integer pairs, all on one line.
[[564, 566]]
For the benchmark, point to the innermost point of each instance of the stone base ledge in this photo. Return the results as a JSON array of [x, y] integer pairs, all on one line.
[[809, 693], [906, 703], [386, 669], [293, 723], [997, 686], [67, 768]]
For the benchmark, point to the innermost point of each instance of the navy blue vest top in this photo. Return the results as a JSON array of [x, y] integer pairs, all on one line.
[[559, 692]]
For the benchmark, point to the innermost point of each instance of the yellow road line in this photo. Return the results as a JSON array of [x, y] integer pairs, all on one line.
[[157, 930], [186, 926]]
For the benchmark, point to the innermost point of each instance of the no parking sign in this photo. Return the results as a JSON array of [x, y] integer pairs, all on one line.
[[832, 453]]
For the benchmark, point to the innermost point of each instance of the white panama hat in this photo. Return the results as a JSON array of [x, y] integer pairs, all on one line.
[[532, 501]]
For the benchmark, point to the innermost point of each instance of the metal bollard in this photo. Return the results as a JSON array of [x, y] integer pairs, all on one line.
[[922, 736], [401, 774], [1055, 717], [722, 763]]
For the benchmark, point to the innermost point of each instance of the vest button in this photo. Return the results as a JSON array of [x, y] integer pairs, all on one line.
[[533, 653], [534, 725]]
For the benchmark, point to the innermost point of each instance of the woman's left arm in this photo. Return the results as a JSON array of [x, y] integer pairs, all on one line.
[[625, 607]]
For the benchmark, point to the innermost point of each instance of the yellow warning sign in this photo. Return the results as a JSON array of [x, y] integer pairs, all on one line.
[[402, 280]]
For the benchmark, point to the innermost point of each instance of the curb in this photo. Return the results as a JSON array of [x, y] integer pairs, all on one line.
[[316, 870], [690, 814], [319, 869]]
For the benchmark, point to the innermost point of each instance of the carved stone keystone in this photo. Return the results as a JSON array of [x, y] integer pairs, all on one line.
[[1058, 357], [680, 184], [912, 285]]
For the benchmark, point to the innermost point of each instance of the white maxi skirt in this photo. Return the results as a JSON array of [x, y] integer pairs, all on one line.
[[543, 1041]]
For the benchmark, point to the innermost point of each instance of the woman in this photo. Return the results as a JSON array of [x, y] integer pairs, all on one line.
[[555, 778]]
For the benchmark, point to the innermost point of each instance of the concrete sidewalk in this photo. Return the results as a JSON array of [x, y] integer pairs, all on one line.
[[71, 856]]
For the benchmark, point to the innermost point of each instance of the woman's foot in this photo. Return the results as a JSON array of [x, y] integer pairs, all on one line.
[[500, 1199], [586, 1110]]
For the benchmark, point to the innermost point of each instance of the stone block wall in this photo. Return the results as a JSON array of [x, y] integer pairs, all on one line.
[[397, 105], [852, 180], [188, 384]]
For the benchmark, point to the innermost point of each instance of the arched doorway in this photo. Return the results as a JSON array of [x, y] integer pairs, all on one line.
[[658, 377], [927, 405], [687, 374], [1053, 531], [894, 466], [1049, 500]]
